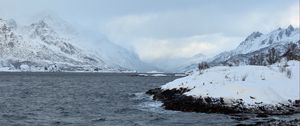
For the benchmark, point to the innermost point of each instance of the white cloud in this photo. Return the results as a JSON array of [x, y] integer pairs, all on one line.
[[196, 21], [294, 15], [154, 49], [184, 33], [270, 20]]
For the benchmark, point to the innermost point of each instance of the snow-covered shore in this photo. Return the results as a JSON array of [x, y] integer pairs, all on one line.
[[249, 86], [269, 85]]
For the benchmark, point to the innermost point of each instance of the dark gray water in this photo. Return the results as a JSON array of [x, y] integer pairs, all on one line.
[[89, 99]]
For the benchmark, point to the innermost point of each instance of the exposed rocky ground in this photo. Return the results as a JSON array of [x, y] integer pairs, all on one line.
[[295, 122], [175, 99]]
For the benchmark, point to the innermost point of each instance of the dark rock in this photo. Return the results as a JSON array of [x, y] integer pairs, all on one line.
[[241, 118], [174, 99], [297, 103], [262, 115], [153, 91], [273, 122]]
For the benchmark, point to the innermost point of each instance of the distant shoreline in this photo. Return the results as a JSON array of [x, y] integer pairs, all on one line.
[[89, 72]]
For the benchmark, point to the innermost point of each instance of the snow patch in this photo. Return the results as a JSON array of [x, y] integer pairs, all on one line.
[[159, 75]]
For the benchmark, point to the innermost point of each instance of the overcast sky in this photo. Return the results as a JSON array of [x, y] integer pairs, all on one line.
[[159, 29]]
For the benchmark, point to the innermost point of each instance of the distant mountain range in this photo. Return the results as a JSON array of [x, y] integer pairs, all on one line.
[[51, 44], [255, 45]]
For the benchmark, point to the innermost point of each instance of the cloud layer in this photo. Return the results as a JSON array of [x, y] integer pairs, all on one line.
[[186, 32]]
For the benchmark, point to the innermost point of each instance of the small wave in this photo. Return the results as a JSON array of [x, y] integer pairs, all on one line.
[[151, 106], [141, 96], [145, 103]]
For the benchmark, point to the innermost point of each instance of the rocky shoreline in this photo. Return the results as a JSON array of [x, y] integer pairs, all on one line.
[[295, 122], [174, 99]]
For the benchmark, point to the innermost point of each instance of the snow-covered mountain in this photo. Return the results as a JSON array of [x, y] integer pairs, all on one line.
[[50, 44], [256, 44], [257, 40]]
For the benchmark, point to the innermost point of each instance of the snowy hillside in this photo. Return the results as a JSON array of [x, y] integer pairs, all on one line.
[[276, 84], [50, 44], [257, 40], [255, 44], [96, 43], [41, 49], [260, 43], [266, 90]]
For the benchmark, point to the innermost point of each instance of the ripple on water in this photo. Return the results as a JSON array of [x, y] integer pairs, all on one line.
[[145, 103], [90, 99]]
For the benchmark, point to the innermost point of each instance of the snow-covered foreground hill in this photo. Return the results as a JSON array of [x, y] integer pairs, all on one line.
[[270, 89], [263, 85]]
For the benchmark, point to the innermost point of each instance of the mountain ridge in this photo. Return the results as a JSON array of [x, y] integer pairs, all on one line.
[[40, 46], [255, 44]]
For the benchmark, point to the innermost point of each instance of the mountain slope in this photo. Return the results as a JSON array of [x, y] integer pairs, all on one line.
[[41, 48], [257, 40], [47, 46], [257, 45]]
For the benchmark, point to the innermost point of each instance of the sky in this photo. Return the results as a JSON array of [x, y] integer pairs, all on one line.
[[165, 29]]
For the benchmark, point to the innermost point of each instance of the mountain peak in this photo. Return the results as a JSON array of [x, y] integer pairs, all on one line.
[[290, 28], [257, 40], [40, 25], [5, 26], [54, 21], [253, 35]]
